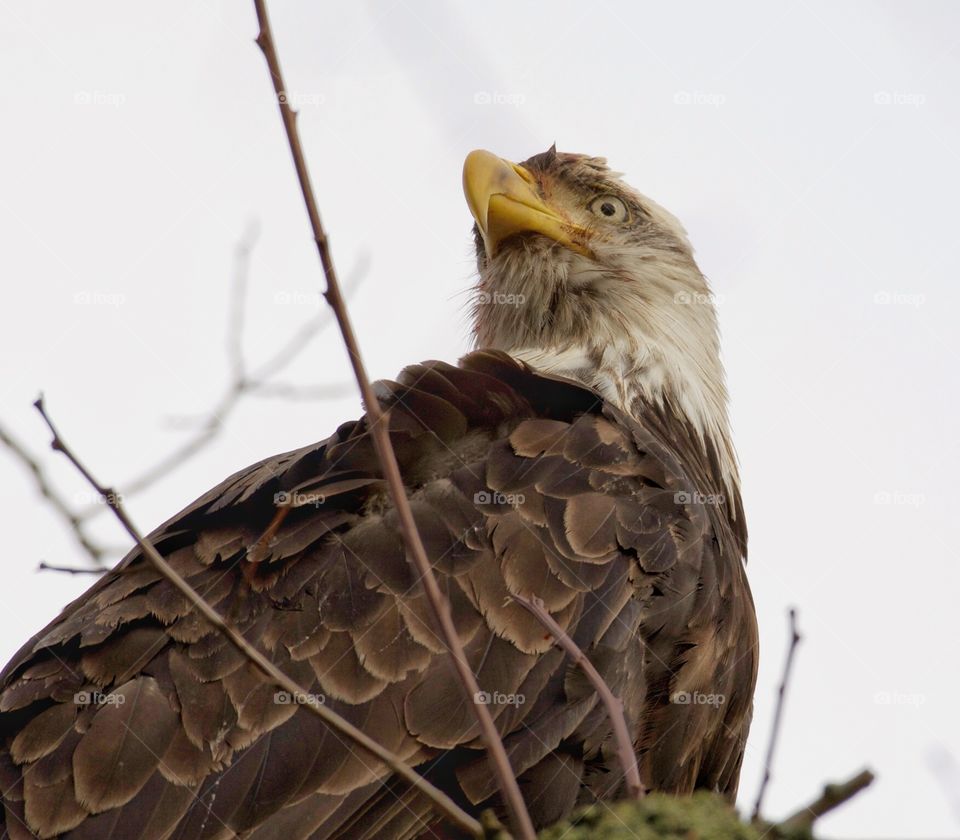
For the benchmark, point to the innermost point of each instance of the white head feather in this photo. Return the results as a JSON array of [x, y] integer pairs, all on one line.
[[634, 319]]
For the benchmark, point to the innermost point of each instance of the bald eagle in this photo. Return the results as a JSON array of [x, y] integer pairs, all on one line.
[[581, 454]]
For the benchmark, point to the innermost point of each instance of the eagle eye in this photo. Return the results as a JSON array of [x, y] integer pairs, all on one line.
[[610, 207]]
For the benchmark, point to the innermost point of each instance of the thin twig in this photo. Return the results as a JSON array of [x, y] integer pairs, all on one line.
[[945, 769], [295, 393], [73, 520], [778, 713], [70, 570], [207, 428], [300, 339], [238, 301], [241, 383], [274, 674], [833, 796], [614, 705], [500, 764]]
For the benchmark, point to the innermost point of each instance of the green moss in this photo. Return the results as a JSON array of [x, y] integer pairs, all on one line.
[[703, 816]]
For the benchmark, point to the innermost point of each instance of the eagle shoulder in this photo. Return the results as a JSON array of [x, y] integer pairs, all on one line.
[[130, 716]]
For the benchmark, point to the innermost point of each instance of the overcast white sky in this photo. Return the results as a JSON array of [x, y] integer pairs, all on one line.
[[811, 148]]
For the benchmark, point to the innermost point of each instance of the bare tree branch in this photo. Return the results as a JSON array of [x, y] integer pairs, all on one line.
[[270, 671], [300, 339], [833, 796], [74, 521], [294, 393], [500, 764], [778, 712], [70, 570], [241, 384], [238, 301], [614, 705]]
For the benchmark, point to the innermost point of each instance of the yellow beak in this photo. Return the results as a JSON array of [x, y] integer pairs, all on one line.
[[503, 199]]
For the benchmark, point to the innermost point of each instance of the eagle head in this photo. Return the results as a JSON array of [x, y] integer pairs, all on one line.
[[582, 276]]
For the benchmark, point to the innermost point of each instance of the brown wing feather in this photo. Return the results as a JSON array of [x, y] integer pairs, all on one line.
[[520, 484]]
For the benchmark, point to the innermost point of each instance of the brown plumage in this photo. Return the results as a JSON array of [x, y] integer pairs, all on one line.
[[614, 502]]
